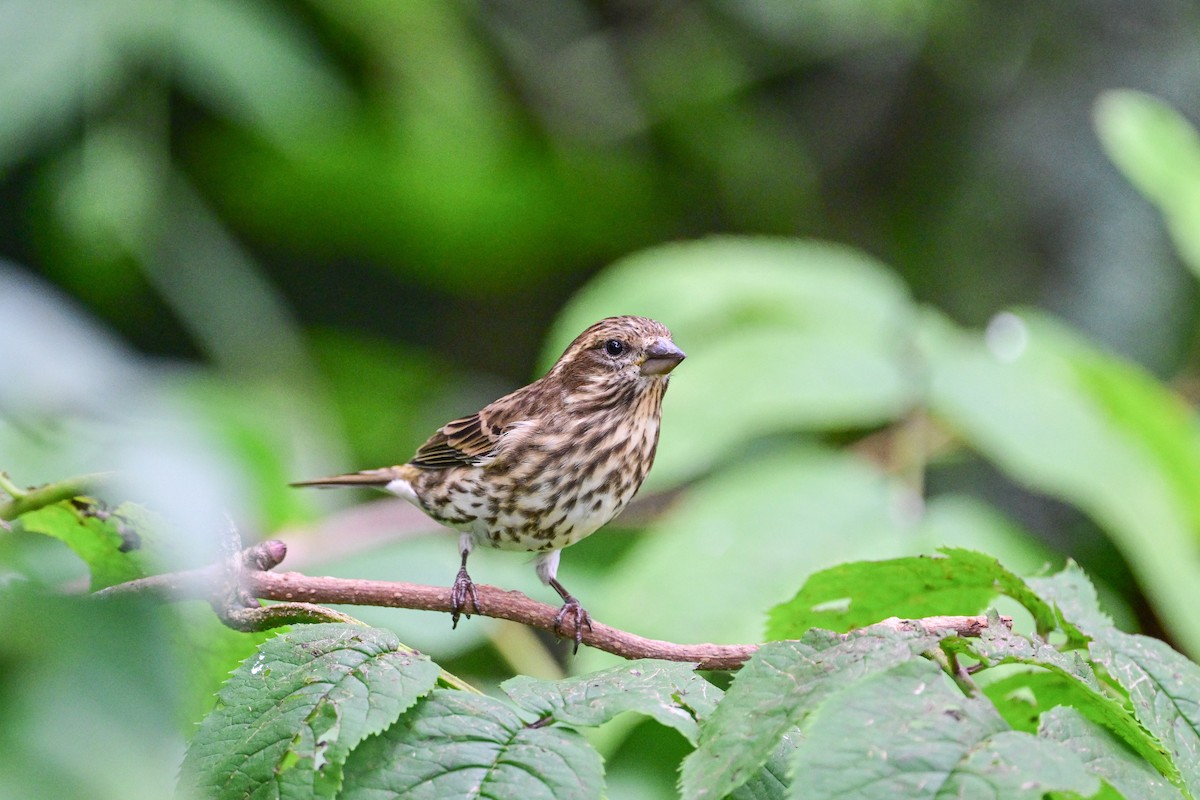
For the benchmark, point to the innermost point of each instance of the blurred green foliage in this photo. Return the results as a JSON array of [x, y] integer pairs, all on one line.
[[248, 241]]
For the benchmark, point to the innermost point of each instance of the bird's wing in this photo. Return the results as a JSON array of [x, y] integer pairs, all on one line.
[[475, 440]]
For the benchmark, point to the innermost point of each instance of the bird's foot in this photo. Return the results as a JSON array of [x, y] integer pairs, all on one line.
[[463, 588], [580, 616]]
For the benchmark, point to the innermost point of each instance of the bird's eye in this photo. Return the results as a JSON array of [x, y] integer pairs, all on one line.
[[614, 347]]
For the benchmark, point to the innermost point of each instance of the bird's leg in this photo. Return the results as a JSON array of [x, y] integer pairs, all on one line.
[[463, 587], [547, 569], [571, 605]]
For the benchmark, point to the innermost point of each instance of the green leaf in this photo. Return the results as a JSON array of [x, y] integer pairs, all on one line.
[[779, 686], [290, 715], [1082, 689], [1163, 685], [669, 692], [460, 745], [1106, 755], [824, 325], [858, 594], [1164, 690], [102, 544], [1022, 697], [1159, 152], [1074, 595], [1083, 426], [910, 732], [771, 781]]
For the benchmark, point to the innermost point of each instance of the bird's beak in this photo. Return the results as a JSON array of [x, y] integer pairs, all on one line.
[[661, 357]]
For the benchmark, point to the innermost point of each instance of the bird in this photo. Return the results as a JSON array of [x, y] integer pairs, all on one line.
[[548, 464]]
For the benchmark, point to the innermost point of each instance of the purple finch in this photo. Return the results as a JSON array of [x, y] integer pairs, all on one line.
[[551, 463]]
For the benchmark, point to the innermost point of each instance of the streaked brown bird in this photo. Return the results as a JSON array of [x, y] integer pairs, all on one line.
[[551, 463]]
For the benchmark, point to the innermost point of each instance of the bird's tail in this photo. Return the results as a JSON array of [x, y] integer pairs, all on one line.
[[378, 478]]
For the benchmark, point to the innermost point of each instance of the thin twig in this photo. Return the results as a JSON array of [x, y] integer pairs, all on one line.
[[302, 594], [25, 501]]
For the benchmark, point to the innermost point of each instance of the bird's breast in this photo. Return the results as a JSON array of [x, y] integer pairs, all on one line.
[[561, 484]]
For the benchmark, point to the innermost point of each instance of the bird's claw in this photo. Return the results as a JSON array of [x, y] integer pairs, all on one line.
[[463, 588], [581, 616]]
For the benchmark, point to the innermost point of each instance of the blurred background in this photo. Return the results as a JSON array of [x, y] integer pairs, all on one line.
[[244, 242]]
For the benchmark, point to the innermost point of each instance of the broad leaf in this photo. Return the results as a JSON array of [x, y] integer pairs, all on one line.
[[671, 693], [910, 732], [107, 546], [1164, 690], [1074, 595], [779, 686], [858, 594], [290, 715], [1106, 755], [466, 746], [1081, 689]]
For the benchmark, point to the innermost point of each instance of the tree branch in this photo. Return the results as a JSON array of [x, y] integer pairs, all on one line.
[[51, 493], [302, 596]]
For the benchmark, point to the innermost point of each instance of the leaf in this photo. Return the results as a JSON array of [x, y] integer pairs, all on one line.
[[771, 781], [1164, 690], [1085, 427], [997, 645], [671, 693], [773, 693], [102, 544], [823, 325], [1082, 689], [288, 717], [1163, 685], [864, 592], [1074, 595], [1022, 697], [1106, 755], [1159, 152], [910, 732], [460, 745]]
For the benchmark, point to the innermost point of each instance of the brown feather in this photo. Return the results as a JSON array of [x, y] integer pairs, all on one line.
[[370, 477]]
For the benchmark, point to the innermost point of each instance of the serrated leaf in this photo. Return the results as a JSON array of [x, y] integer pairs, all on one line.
[[1164, 690], [1106, 755], [1074, 595], [910, 732], [99, 543], [997, 647], [461, 745], [669, 692], [289, 716], [773, 693], [823, 325], [1163, 685], [857, 594], [771, 781], [1159, 152]]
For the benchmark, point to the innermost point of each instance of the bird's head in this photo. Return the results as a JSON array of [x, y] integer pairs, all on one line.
[[625, 351]]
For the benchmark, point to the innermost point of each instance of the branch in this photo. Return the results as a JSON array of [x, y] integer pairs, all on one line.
[[303, 595], [51, 493]]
